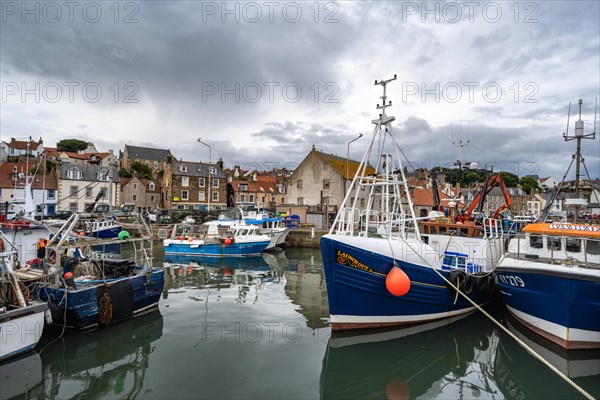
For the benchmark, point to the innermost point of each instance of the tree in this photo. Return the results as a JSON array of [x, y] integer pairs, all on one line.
[[510, 179], [73, 145], [144, 171], [528, 183]]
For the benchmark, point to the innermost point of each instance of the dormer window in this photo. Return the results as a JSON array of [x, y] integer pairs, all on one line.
[[183, 168], [74, 173], [102, 175], [213, 170], [151, 186]]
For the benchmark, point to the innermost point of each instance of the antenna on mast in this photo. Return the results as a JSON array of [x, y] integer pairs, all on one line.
[[460, 145]]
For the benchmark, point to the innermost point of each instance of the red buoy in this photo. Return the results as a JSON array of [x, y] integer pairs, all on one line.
[[397, 282], [228, 241], [68, 275]]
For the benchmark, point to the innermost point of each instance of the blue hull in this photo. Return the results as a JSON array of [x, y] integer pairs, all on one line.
[[128, 296], [111, 233], [217, 250], [550, 303], [360, 299]]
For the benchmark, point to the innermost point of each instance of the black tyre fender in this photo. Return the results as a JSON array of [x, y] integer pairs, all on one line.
[[458, 278]]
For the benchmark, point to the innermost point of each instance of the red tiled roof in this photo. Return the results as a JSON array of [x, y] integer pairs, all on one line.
[[22, 144], [6, 175]]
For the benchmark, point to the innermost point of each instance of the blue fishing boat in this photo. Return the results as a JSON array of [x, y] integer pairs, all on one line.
[[221, 238], [550, 282], [86, 287], [379, 270]]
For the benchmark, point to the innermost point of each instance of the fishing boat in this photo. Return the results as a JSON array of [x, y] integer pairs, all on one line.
[[550, 282], [220, 238], [87, 287], [21, 318], [378, 268], [272, 227]]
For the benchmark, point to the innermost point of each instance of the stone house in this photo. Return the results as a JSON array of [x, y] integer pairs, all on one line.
[[191, 186], [320, 181], [143, 193]]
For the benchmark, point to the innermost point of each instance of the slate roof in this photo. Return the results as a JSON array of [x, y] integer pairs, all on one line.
[[196, 169], [147, 153], [89, 172]]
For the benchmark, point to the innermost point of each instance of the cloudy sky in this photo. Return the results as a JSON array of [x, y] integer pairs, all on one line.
[[262, 82]]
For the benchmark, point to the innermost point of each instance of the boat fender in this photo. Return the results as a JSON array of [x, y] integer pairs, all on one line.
[[482, 282], [464, 281]]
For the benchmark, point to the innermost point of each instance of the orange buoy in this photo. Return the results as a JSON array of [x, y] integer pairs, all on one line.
[[227, 241], [397, 389], [397, 282]]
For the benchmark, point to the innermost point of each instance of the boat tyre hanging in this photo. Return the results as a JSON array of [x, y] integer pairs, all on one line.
[[462, 280], [485, 283]]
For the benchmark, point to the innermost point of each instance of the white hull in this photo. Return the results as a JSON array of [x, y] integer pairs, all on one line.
[[20, 333]]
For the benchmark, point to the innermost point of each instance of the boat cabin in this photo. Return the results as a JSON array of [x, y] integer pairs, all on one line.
[[578, 243]]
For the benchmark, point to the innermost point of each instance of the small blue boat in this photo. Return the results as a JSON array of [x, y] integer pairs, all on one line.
[[221, 238]]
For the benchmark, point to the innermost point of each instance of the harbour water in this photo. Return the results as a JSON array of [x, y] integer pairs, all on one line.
[[258, 329]]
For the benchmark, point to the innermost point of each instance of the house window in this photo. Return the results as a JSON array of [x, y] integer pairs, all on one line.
[[183, 168], [155, 164], [184, 195], [51, 194], [215, 196], [272, 199], [215, 183], [282, 200], [242, 197], [264, 199], [134, 186], [152, 199], [73, 207], [243, 186], [325, 183], [151, 186], [185, 181], [202, 182], [73, 191], [201, 196], [299, 183], [251, 198], [134, 197], [74, 173], [300, 200], [362, 203], [281, 188], [88, 193]]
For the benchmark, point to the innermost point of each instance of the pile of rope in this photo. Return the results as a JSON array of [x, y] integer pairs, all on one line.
[[105, 308], [88, 269]]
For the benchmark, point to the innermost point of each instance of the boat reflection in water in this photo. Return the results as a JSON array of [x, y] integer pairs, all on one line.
[[519, 376], [105, 363], [450, 358], [21, 377], [247, 274]]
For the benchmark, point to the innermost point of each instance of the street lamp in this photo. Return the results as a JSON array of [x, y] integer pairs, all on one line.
[[348, 154], [209, 170]]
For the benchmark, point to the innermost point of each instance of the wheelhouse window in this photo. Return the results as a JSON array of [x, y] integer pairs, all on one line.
[[536, 241], [554, 243], [592, 247], [573, 245]]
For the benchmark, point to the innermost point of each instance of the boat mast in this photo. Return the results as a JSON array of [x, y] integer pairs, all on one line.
[[577, 156]]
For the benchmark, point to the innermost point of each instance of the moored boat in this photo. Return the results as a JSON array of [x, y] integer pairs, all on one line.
[[550, 282], [221, 238], [21, 318], [378, 269]]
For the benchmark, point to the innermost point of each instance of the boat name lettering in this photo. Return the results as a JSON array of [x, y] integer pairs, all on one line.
[[512, 280], [575, 227], [347, 259]]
